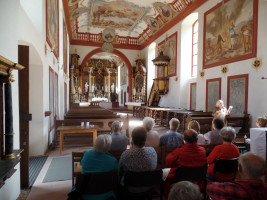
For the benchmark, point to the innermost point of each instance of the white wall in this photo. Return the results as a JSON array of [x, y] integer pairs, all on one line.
[[9, 49]]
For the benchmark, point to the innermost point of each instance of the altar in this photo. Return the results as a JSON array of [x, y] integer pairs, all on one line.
[[130, 105], [100, 99]]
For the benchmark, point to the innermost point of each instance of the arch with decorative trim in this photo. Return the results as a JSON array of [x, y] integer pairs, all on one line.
[[123, 57]]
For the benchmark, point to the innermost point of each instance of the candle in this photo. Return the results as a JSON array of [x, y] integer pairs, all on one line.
[[134, 91]]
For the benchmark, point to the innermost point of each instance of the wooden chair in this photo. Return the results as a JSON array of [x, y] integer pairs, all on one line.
[[95, 183], [76, 164], [193, 174], [116, 154], [208, 148], [165, 150], [150, 179], [225, 166]]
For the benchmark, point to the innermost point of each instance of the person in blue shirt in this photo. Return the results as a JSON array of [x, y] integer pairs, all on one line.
[[119, 141], [99, 160], [172, 138]]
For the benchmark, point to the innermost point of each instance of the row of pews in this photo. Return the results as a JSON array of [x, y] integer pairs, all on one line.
[[162, 116], [99, 117]]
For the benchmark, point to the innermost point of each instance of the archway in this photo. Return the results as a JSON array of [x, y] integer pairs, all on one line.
[[123, 57]]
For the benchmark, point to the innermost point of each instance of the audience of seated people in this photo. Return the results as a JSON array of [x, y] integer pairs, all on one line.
[[185, 190], [250, 184], [138, 158], [195, 126], [213, 136], [189, 155], [119, 141], [99, 160], [227, 150], [152, 139], [261, 122], [142, 157], [172, 138]]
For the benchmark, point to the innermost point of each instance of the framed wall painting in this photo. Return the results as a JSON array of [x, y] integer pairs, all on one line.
[[193, 96], [237, 94], [65, 48], [213, 93], [169, 48], [52, 26], [230, 32]]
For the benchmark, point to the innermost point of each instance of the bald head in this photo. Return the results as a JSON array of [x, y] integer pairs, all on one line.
[[251, 166], [190, 136]]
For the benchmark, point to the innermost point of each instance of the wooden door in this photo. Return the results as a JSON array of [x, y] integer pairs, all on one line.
[[25, 117]]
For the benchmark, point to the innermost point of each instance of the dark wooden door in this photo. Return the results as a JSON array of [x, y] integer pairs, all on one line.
[[23, 59]]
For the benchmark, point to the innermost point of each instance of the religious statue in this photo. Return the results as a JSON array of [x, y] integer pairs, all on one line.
[[86, 87], [113, 87]]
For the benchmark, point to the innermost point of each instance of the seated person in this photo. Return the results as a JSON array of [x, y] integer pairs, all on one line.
[[195, 126], [185, 190], [188, 155], [99, 160], [261, 122], [227, 150], [152, 137], [213, 136], [119, 141], [249, 185], [138, 158], [172, 138]]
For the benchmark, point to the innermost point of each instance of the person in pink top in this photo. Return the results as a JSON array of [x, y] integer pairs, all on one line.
[[227, 150]]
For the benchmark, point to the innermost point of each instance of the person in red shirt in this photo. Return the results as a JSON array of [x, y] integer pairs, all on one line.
[[188, 155], [249, 186], [227, 150]]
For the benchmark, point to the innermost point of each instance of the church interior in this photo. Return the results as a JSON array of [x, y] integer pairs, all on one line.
[[87, 63]]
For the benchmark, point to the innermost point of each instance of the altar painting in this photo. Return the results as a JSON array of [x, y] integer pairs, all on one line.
[[123, 72], [169, 48], [230, 32], [52, 26]]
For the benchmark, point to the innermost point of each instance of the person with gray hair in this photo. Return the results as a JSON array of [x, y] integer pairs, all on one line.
[[185, 190], [99, 160], [119, 141], [152, 139], [172, 138], [250, 185], [227, 150]]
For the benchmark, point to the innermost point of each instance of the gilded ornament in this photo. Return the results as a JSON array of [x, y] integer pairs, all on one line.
[[257, 63], [224, 69], [202, 73]]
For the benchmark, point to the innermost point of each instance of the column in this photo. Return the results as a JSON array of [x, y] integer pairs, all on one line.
[[8, 123]]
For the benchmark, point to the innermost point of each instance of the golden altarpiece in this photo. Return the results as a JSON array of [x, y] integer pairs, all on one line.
[[97, 81], [139, 81]]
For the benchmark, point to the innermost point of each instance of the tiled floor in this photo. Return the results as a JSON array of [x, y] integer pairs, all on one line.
[[59, 190]]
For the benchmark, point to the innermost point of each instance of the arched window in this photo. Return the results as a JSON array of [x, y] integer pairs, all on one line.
[[194, 48]]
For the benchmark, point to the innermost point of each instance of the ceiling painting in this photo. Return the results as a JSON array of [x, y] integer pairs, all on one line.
[[134, 22]]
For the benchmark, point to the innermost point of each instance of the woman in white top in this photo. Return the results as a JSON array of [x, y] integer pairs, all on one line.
[[195, 126], [220, 111], [152, 139]]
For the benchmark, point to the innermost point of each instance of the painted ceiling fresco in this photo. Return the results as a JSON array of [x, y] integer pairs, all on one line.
[[87, 19]]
